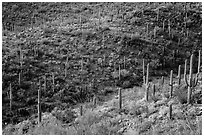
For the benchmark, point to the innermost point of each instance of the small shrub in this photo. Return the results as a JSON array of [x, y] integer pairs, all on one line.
[[181, 93]]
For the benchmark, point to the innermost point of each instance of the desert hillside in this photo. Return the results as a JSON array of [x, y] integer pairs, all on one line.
[[116, 68]]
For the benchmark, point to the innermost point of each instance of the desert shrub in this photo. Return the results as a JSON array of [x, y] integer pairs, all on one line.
[[181, 93], [66, 115]]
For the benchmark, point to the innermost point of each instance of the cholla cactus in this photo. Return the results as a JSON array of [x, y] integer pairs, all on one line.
[[192, 82]]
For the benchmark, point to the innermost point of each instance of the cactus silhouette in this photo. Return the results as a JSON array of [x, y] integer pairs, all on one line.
[[171, 83], [146, 80], [192, 81], [179, 75], [39, 104]]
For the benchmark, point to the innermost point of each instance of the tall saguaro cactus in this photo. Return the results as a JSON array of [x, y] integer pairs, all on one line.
[[191, 82], [119, 73], [154, 90], [162, 81], [179, 75], [81, 110], [199, 60], [120, 98], [10, 96], [39, 104], [146, 79], [171, 83], [185, 70], [45, 83], [53, 82], [170, 112], [19, 79]]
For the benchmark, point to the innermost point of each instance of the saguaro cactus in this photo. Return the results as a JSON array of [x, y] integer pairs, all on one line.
[[19, 79], [45, 83], [162, 81], [155, 31], [10, 96], [119, 72], [66, 65], [179, 75], [82, 64], [163, 26], [171, 83], [154, 90], [124, 62], [39, 104], [191, 82], [170, 111], [169, 27], [185, 70], [81, 110], [120, 98], [94, 101], [53, 82], [147, 29], [199, 60], [146, 79]]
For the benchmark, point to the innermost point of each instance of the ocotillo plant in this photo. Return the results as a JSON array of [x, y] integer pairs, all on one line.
[[171, 83], [10, 97], [179, 75], [146, 80], [120, 98], [191, 82], [39, 104]]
